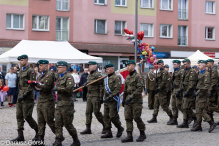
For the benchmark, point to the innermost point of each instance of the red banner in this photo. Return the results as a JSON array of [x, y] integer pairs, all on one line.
[[210, 54]]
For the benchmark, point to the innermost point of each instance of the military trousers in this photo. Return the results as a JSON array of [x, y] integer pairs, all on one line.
[[24, 112], [187, 104], [64, 116], [161, 99], [168, 97], [151, 97], [133, 111], [201, 105], [176, 103], [45, 114], [212, 105], [111, 114], [93, 105]]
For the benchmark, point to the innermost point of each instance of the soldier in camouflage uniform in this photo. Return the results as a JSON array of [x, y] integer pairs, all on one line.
[[150, 85], [25, 104], [176, 101], [169, 88], [94, 97], [64, 112], [201, 99], [132, 101], [112, 88], [161, 94]]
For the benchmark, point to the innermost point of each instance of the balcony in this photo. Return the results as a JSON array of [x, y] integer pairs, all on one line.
[[182, 41], [182, 14]]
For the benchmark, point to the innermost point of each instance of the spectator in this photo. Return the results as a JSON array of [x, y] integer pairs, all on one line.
[[16, 93], [71, 68], [2, 75], [18, 69], [81, 68], [2, 93], [36, 93], [77, 80], [53, 67], [99, 68], [82, 81], [10, 81], [76, 67]]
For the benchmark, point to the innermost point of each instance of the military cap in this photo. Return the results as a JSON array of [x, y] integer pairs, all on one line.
[[166, 66], [177, 61], [62, 63], [210, 60], [185, 60], [130, 62], [22, 57], [202, 61], [92, 63], [43, 62], [151, 67], [109, 65], [18, 58], [159, 61]]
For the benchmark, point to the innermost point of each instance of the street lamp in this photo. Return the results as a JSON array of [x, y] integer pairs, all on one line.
[[136, 28]]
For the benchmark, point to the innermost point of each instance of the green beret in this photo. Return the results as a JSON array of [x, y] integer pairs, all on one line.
[[186, 60], [151, 67], [62, 63], [130, 62], [159, 61], [22, 57], [92, 63], [177, 61], [166, 66], [43, 62], [202, 61], [210, 60], [109, 65]]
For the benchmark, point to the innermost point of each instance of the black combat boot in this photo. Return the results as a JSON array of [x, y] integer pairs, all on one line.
[[212, 126], [142, 136], [211, 116], [197, 127], [20, 137], [58, 142], [174, 121], [36, 135], [153, 120], [76, 141], [190, 120], [170, 120], [87, 130], [39, 141], [108, 134], [119, 132], [195, 122], [129, 137], [184, 124]]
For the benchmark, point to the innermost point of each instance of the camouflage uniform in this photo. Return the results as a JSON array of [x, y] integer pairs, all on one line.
[[24, 109], [133, 89], [46, 103], [64, 112], [150, 85], [169, 88]]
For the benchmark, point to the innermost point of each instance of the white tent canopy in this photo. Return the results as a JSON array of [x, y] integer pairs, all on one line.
[[49, 50], [194, 58]]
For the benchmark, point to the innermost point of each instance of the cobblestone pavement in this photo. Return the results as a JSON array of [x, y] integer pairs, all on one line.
[[158, 134]]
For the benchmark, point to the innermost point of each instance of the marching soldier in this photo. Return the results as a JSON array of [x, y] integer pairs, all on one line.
[[189, 79], [25, 104], [112, 88], [150, 85], [212, 100], [166, 67], [132, 101], [161, 94], [176, 101], [201, 99], [64, 112], [95, 97]]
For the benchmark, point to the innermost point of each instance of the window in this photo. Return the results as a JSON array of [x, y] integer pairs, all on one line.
[[100, 2], [148, 29], [100, 26], [62, 29], [121, 2], [210, 7], [62, 5], [166, 31], [119, 27], [209, 33], [14, 21], [147, 3], [40, 23], [183, 9], [166, 4], [182, 35]]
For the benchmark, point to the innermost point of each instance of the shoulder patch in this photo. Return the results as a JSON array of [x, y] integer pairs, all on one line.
[[118, 78], [47, 76], [140, 77], [206, 75], [191, 72], [32, 72], [69, 78]]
